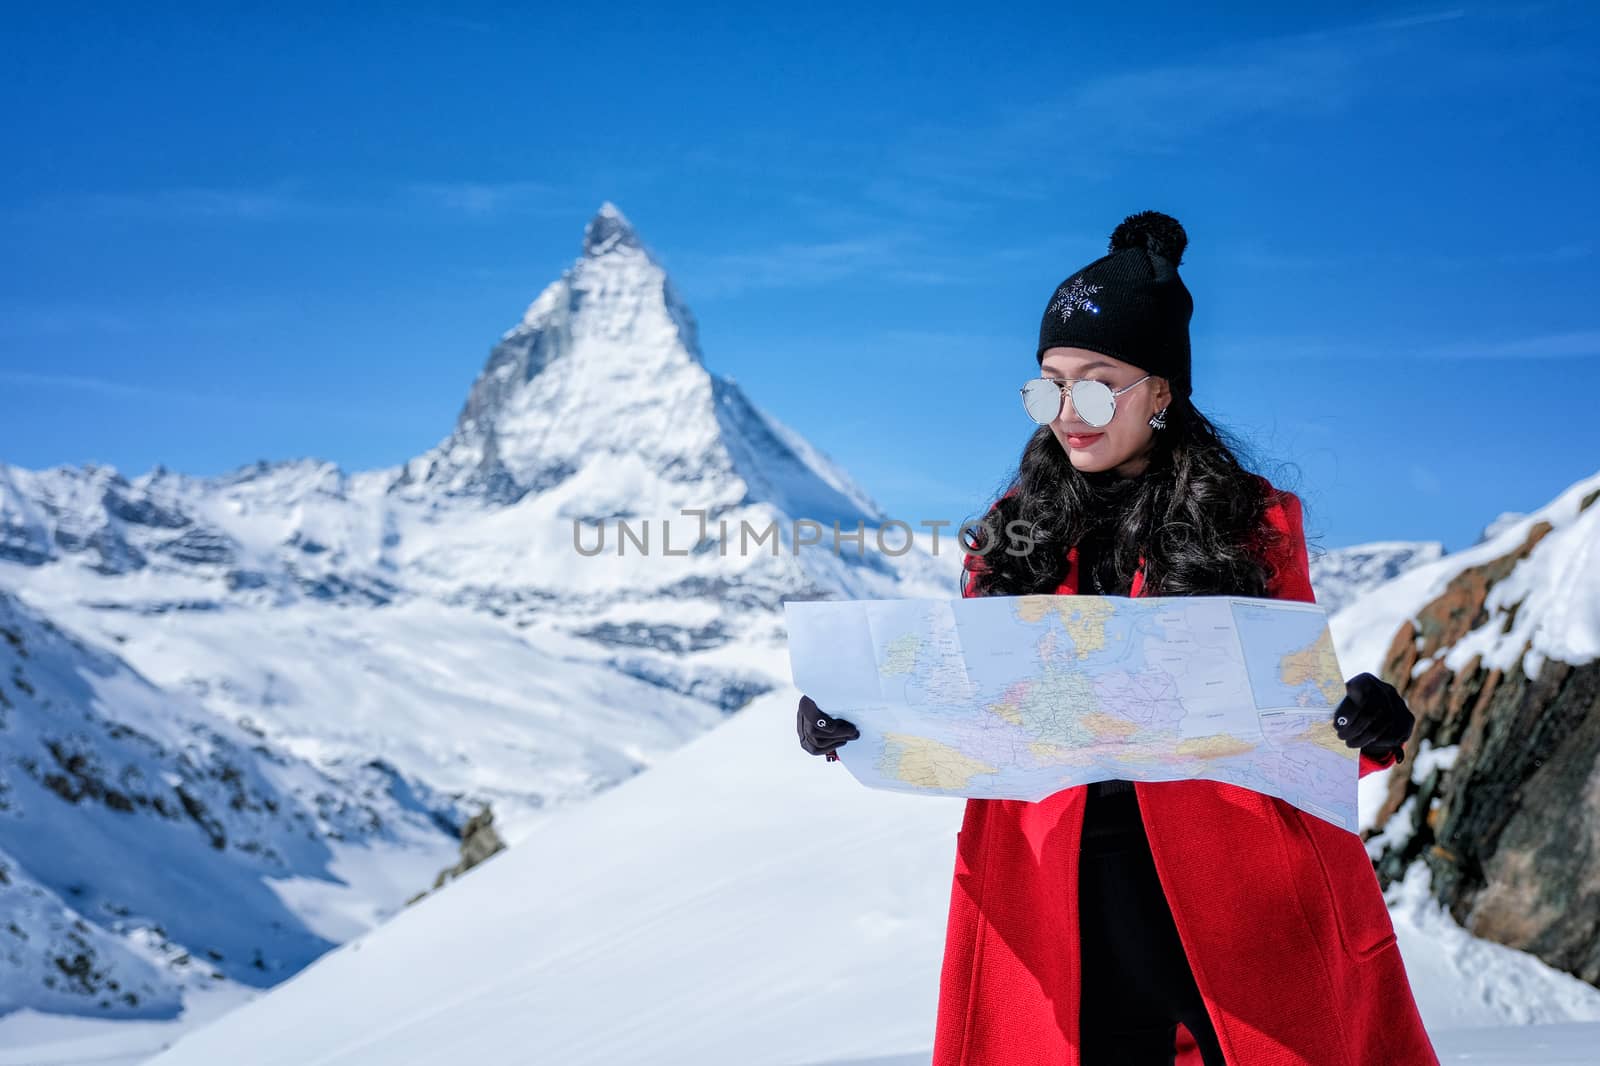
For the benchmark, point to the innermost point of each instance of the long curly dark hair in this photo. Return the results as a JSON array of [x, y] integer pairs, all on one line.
[[1195, 513]]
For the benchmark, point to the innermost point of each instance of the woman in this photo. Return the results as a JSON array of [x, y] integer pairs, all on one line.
[[1128, 922]]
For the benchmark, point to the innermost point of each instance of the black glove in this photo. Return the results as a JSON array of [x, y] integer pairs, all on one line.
[[1373, 716], [819, 733]]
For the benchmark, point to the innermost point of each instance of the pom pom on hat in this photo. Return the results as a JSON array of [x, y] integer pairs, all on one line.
[[1156, 233]]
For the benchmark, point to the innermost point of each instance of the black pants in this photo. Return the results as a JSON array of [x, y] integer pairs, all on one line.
[[1136, 982]]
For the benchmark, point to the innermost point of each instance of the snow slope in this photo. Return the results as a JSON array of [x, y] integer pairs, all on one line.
[[147, 848], [741, 904]]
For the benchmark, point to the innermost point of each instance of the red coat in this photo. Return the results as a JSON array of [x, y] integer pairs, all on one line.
[[1279, 913]]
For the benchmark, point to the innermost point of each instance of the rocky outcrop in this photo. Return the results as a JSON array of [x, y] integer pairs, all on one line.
[[1508, 820], [478, 841]]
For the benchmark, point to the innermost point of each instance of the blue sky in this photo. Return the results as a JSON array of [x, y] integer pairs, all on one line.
[[286, 232]]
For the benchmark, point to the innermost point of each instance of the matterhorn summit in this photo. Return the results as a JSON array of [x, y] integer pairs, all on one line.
[[603, 381]]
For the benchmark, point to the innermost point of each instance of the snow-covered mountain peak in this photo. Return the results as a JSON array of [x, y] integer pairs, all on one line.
[[609, 230], [601, 388]]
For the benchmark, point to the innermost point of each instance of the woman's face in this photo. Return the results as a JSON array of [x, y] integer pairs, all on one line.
[[1124, 444]]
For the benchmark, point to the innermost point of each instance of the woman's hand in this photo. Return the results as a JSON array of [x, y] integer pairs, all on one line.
[[819, 733], [1373, 716]]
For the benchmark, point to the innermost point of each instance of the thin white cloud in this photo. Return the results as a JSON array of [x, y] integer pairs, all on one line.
[[804, 263], [1397, 22], [943, 340], [1575, 344], [100, 386], [296, 199], [150, 394], [454, 22], [182, 203], [906, 256], [194, 203], [1270, 258], [488, 197], [1103, 123], [66, 320], [1425, 480], [932, 174]]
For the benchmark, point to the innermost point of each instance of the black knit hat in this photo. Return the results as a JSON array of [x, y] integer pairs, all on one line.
[[1130, 303]]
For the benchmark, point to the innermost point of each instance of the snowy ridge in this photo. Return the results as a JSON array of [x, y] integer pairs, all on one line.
[[824, 467], [1557, 587], [1500, 522]]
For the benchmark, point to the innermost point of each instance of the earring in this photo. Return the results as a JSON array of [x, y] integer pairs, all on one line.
[[1159, 419]]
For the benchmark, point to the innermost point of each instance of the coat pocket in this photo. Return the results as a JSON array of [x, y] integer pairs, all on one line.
[[1339, 864]]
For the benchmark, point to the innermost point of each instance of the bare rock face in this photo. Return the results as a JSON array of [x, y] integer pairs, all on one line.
[[478, 841], [1510, 825]]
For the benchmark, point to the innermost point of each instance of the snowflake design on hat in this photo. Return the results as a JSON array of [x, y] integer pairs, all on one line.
[[1075, 297]]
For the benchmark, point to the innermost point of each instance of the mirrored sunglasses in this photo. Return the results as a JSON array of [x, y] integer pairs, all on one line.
[[1094, 401]]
